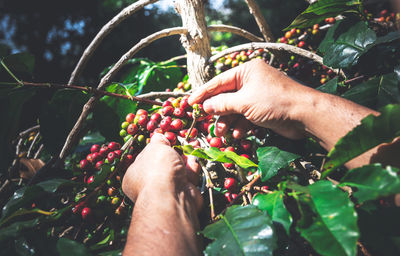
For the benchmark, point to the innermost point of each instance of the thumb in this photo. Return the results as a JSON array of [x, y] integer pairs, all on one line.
[[223, 104], [159, 138]]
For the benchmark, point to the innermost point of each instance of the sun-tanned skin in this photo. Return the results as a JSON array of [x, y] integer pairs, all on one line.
[[164, 220]]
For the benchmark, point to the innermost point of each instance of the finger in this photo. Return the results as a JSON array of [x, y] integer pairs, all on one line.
[[192, 169], [225, 82], [223, 104], [159, 138], [223, 124], [241, 127]]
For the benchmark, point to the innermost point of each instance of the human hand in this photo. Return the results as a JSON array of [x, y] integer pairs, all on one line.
[[160, 169], [258, 93]]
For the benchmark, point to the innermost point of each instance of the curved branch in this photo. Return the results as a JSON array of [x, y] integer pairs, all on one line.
[[162, 95], [105, 30], [72, 136], [261, 22], [273, 46], [235, 30]]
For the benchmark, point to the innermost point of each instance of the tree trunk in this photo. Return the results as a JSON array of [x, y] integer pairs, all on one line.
[[196, 41]]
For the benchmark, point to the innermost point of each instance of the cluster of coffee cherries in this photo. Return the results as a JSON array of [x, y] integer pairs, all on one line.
[[182, 86], [109, 198], [384, 16], [237, 58]]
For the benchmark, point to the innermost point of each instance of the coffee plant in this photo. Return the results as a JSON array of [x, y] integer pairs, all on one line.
[[264, 194]]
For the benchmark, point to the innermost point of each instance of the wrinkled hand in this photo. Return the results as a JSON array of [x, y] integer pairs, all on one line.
[[254, 92], [159, 168]]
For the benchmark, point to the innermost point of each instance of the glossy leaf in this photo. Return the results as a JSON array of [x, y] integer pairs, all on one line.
[[16, 229], [67, 247], [59, 116], [372, 131], [272, 159], [110, 112], [101, 175], [214, 154], [345, 43], [274, 205], [328, 221], [330, 86], [322, 9], [20, 63], [241, 231], [372, 182], [376, 92]]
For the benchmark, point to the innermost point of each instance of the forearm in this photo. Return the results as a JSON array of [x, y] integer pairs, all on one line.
[[164, 222], [328, 118]]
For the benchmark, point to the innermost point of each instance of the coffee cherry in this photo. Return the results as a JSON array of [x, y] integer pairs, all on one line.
[[245, 155], [86, 212], [288, 35], [89, 157], [141, 138], [112, 191], [234, 196], [245, 145], [264, 187], [301, 44], [118, 153], [141, 112], [180, 85], [110, 157], [130, 117], [194, 143], [101, 199], [230, 149], [84, 164], [176, 125], [216, 142], [165, 124], [230, 184], [128, 160], [228, 196], [90, 180], [143, 119], [78, 207], [96, 157], [167, 111], [124, 125], [179, 112], [122, 133], [203, 126], [193, 133], [132, 129], [114, 145], [155, 117], [104, 151], [167, 103], [229, 165], [115, 201], [171, 137], [151, 125], [95, 148], [99, 164], [184, 103]]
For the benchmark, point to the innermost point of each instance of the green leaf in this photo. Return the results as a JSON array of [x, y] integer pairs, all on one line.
[[272, 159], [274, 205], [322, 9], [101, 175], [53, 185], [328, 221], [16, 229], [388, 38], [59, 116], [215, 154], [242, 231], [376, 92], [345, 42], [21, 63], [372, 131], [372, 182], [330, 86], [110, 112], [67, 247]]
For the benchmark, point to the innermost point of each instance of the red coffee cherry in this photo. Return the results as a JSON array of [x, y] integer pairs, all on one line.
[[111, 157], [245, 155], [141, 112], [245, 145], [165, 124], [89, 157], [118, 153], [95, 148], [90, 179], [230, 149], [228, 196], [132, 129], [96, 157], [99, 164], [167, 110], [167, 103], [176, 125], [112, 191], [86, 212], [84, 164], [216, 142], [171, 137], [230, 184], [114, 145], [301, 44], [156, 117], [179, 112], [143, 119], [229, 165], [151, 125], [130, 117], [104, 151]]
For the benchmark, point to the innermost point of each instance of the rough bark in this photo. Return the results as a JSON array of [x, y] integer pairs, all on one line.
[[196, 42]]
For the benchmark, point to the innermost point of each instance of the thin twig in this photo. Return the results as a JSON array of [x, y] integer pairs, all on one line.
[[5, 184], [10, 72], [66, 231], [105, 30], [245, 189], [191, 128], [235, 30], [28, 155], [273, 46], [38, 151], [72, 136], [27, 131], [363, 249], [261, 22], [210, 186]]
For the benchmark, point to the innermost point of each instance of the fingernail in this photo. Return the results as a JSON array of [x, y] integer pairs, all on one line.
[[159, 137]]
